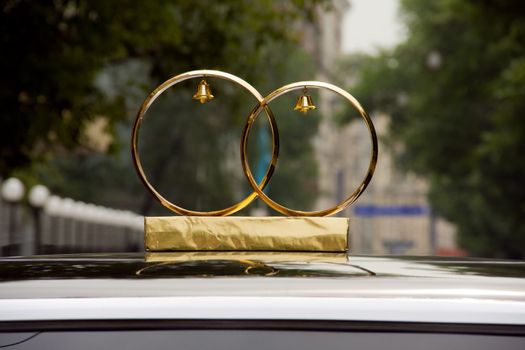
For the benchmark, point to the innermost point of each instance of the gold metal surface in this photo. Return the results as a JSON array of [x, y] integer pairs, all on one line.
[[264, 104], [258, 268], [274, 256], [304, 103], [203, 93], [140, 117], [246, 234]]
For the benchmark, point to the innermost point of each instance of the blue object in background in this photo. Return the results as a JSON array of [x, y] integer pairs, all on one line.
[[264, 151], [391, 210]]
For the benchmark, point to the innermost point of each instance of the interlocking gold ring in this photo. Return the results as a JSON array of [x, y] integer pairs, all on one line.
[[149, 101], [264, 104]]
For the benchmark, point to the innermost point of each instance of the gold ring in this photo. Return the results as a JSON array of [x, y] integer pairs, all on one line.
[[140, 117], [258, 265], [264, 104]]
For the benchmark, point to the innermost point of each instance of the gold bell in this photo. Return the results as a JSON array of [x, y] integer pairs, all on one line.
[[203, 93], [304, 103]]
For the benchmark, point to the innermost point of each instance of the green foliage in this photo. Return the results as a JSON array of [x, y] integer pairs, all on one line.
[[461, 120], [53, 51], [73, 61]]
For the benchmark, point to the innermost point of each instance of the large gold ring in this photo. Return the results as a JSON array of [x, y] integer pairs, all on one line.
[[264, 104], [140, 117]]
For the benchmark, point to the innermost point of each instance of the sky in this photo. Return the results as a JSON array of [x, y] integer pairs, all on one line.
[[369, 24]]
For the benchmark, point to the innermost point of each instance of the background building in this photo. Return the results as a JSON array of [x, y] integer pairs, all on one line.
[[393, 215]]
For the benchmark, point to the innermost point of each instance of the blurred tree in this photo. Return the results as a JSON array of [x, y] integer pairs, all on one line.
[[55, 49], [62, 55], [456, 95]]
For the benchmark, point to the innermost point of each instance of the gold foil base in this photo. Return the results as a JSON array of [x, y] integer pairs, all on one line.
[[324, 257], [194, 233]]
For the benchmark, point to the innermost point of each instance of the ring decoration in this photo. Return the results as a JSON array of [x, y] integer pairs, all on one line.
[[203, 95], [304, 104]]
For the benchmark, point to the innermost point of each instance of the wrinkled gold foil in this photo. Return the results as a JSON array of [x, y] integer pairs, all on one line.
[[247, 255], [193, 233]]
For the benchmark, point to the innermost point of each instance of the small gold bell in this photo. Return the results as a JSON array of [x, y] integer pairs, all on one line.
[[304, 103], [203, 93]]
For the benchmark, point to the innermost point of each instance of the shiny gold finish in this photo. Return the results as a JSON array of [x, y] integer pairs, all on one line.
[[246, 233], [257, 267], [253, 267], [275, 256], [140, 117], [264, 104], [304, 103], [203, 93]]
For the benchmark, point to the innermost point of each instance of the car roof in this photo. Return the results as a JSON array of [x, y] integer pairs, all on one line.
[[409, 274], [376, 288]]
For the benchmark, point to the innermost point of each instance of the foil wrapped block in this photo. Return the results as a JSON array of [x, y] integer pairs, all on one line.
[[254, 256], [234, 233]]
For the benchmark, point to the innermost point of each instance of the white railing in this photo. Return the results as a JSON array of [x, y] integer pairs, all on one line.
[[51, 224]]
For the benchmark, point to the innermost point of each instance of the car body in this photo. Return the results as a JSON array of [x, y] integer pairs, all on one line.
[[124, 300]]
